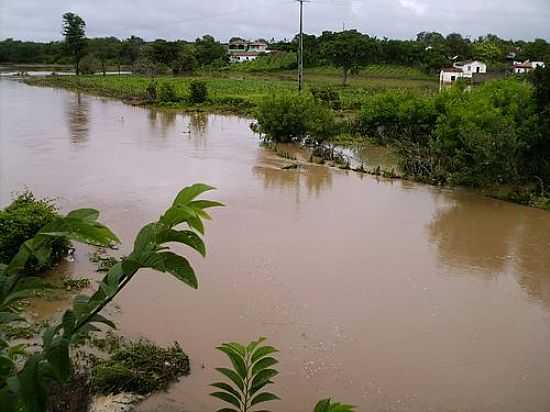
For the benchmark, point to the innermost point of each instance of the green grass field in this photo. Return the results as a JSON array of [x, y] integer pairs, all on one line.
[[230, 90]]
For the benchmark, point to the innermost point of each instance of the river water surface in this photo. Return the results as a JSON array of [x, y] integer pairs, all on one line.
[[388, 295]]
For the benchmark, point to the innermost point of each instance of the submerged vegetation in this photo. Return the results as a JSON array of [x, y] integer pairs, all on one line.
[[136, 366]]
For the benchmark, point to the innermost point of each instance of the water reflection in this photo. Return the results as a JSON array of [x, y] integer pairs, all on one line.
[[77, 108], [488, 238], [314, 178], [162, 120], [198, 123]]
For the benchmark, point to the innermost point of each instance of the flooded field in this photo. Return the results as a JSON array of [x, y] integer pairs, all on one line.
[[388, 295]]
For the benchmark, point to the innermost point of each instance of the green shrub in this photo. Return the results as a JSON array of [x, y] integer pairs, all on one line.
[[21, 221], [328, 96], [167, 93], [198, 91], [288, 116], [89, 64]]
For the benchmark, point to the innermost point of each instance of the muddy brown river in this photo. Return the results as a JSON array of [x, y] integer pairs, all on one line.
[[389, 295]]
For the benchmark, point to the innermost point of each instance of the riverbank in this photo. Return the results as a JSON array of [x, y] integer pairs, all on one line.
[[236, 92]]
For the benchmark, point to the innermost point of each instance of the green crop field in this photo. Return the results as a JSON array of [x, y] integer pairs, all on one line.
[[231, 90]]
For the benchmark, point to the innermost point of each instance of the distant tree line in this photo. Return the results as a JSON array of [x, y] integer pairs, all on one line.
[[430, 50], [96, 54], [347, 50]]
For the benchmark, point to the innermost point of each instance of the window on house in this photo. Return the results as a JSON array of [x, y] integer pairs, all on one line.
[[478, 69], [453, 78]]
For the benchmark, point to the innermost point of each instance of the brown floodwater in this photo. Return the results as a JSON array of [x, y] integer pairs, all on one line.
[[390, 295]]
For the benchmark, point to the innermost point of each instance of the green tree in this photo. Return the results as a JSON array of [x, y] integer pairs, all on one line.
[[75, 40], [347, 50], [208, 50], [488, 51]]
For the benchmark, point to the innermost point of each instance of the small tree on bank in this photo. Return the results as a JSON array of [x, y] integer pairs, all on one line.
[[75, 41], [347, 50]]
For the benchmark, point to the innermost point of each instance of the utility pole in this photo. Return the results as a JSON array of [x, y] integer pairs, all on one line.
[[301, 48]]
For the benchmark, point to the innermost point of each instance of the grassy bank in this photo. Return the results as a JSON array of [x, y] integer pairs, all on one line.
[[240, 92]]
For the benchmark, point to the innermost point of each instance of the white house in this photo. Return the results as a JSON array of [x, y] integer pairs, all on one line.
[[527, 66], [471, 67], [243, 56], [450, 75], [240, 50]]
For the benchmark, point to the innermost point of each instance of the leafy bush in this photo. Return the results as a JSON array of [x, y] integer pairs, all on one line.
[[89, 64], [480, 137], [328, 96], [167, 93], [21, 221], [288, 116], [198, 91]]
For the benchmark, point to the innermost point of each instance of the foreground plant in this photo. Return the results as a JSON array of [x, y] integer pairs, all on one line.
[[26, 388], [250, 374]]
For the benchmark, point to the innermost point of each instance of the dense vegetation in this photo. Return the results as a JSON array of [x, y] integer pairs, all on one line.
[[21, 221], [491, 135]]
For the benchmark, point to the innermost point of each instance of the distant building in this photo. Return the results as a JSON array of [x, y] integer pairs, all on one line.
[[471, 67], [450, 75], [526, 67], [241, 50]]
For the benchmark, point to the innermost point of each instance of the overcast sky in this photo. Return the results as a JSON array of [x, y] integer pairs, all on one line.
[[186, 19]]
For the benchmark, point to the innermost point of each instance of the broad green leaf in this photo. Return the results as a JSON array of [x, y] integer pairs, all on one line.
[[261, 352], [227, 397], [227, 410], [262, 364], [196, 223], [68, 322], [176, 215], [87, 215], [263, 397], [261, 378], [233, 376], [146, 240], [237, 348], [57, 355], [236, 360], [32, 389], [174, 264], [97, 318], [188, 193], [228, 388], [252, 345], [186, 237], [205, 204]]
